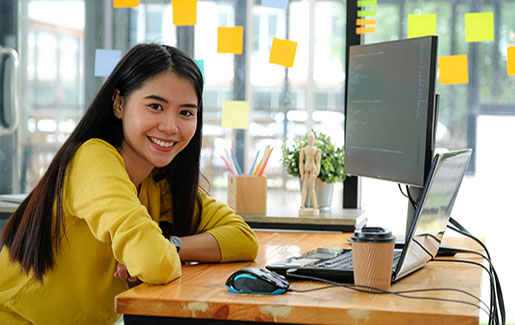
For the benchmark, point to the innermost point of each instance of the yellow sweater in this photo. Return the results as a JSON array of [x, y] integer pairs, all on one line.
[[105, 222]]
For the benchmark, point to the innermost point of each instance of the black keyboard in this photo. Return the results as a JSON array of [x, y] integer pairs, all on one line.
[[344, 261]]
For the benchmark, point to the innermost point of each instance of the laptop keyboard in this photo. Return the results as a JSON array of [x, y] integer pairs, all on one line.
[[344, 261]]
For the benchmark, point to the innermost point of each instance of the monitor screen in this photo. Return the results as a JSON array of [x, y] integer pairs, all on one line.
[[389, 119]]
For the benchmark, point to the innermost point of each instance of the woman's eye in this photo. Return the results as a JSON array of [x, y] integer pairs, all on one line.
[[156, 107], [187, 113]]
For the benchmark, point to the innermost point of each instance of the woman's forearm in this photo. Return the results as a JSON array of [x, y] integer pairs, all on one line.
[[200, 248]]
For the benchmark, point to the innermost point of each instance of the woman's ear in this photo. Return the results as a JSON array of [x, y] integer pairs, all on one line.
[[117, 104]]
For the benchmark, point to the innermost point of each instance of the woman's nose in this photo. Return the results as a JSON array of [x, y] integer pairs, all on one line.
[[168, 125]]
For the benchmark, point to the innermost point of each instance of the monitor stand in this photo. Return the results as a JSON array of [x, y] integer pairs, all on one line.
[[416, 195]]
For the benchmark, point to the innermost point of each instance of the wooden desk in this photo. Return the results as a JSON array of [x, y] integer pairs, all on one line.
[[201, 292]]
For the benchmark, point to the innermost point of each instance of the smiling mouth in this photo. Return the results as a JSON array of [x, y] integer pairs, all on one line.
[[164, 144]]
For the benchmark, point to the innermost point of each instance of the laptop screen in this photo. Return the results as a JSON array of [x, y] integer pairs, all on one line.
[[434, 210]]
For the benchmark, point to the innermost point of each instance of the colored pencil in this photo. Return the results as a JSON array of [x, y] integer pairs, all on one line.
[[266, 161], [253, 163], [228, 165]]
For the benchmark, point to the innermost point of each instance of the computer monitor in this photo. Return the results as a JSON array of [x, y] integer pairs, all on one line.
[[390, 110], [390, 113]]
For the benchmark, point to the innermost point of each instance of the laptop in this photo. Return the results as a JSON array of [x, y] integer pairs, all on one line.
[[424, 236]]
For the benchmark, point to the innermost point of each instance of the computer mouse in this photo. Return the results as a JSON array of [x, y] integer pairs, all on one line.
[[256, 280]]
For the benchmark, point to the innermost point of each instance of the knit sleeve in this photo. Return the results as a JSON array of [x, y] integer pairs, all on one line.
[[99, 191], [236, 239]]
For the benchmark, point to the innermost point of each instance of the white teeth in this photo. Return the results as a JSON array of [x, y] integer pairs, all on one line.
[[161, 143]]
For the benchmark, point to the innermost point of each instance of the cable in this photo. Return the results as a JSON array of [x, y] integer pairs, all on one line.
[[464, 232], [492, 316], [414, 203], [495, 284], [403, 294], [493, 279], [463, 261], [410, 198], [496, 295], [449, 289], [400, 189]]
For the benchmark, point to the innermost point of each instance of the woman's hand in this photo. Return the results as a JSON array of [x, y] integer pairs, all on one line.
[[122, 273]]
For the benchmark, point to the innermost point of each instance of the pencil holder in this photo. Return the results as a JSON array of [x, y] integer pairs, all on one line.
[[247, 194]]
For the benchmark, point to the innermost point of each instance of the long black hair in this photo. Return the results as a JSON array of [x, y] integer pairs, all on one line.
[[29, 235]]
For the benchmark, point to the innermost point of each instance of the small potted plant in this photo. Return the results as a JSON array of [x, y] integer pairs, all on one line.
[[332, 162]]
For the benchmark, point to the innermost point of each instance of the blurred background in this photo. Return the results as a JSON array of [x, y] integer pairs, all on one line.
[[55, 42]]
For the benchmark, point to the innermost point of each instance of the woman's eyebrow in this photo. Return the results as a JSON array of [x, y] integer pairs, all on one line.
[[195, 106], [156, 97]]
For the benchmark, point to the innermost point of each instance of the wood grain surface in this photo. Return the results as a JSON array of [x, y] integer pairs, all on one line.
[[201, 291]]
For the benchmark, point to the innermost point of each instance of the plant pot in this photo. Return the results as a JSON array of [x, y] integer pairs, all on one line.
[[324, 192]]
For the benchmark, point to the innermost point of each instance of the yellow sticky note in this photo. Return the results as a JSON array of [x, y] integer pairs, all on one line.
[[235, 114], [283, 52], [479, 26], [230, 39], [125, 3], [511, 61], [421, 25], [184, 12], [453, 69]]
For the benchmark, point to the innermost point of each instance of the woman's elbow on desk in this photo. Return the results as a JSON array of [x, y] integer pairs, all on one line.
[[166, 270], [244, 248]]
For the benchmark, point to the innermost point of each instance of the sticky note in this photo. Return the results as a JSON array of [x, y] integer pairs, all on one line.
[[511, 61], [421, 25], [453, 69], [184, 12], [125, 3], [365, 30], [479, 26], [279, 4], [200, 64], [367, 3], [361, 22], [105, 61], [364, 13], [230, 39], [235, 114], [283, 52]]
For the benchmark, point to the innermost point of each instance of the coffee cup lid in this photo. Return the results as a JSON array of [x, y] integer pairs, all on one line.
[[373, 235]]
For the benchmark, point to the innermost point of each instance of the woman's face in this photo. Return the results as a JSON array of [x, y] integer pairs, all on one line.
[[159, 119]]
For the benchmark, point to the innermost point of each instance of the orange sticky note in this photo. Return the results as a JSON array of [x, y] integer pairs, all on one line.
[[365, 30], [125, 3], [361, 22], [511, 61], [479, 26], [230, 39], [184, 12], [235, 114], [453, 69], [421, 25], [283, 52]]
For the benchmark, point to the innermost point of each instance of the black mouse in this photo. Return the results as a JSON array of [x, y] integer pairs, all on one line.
[[255, 280]]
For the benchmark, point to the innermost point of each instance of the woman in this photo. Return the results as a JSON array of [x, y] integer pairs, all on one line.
[[131, 163]]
